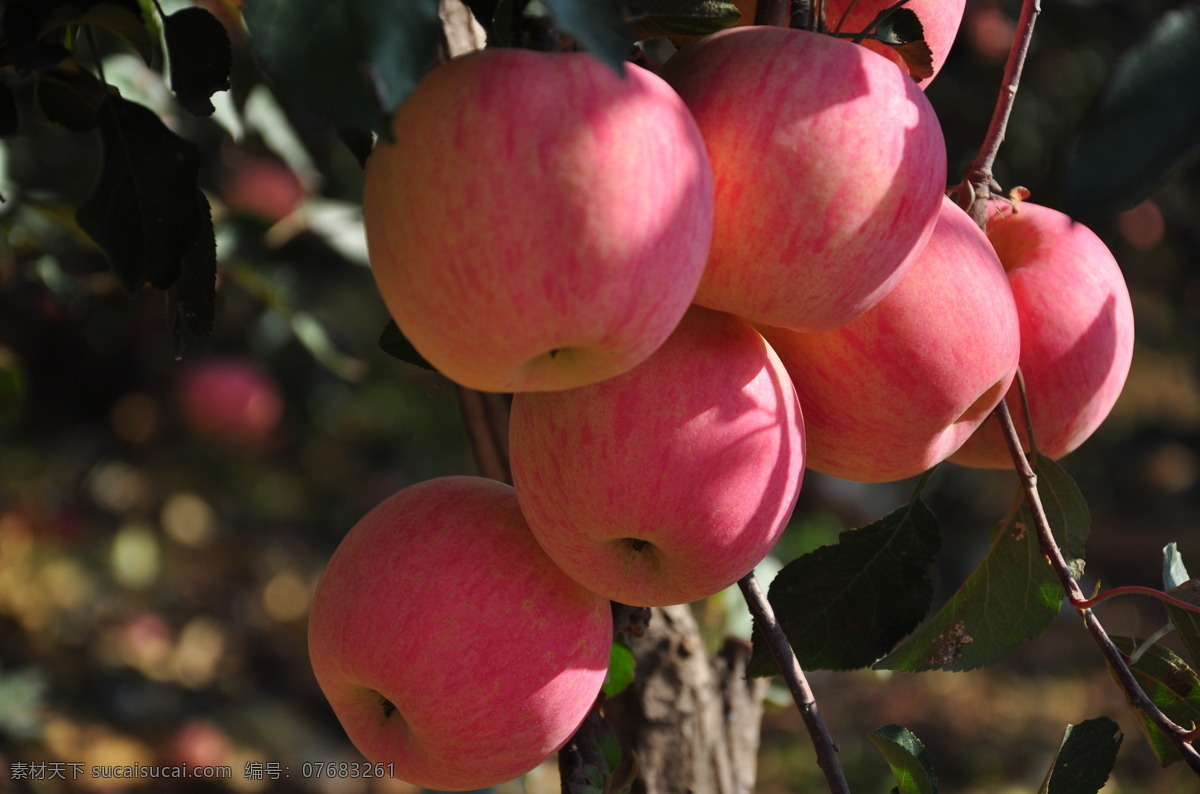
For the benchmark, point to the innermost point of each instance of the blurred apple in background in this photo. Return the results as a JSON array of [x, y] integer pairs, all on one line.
[[449, 644], [1076, 331], [262, 187], [829, 166], [229, 400], [898, 390], [668, 483]]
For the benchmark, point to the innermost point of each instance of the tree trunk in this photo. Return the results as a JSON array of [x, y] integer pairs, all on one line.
[[693, 721]]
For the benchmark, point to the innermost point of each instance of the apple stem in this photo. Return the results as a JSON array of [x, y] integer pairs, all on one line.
[[826, 748], [486, 418], [976, 188], [1177, 735]]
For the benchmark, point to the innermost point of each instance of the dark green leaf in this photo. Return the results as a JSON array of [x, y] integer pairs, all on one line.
[[143, 211], [1174, 688], [1143, 129], [351, 61], [902, 31], [681, 18], [70, 95], [9, 120], [1186, 622], [1085, 759], [902, 26], [393, 342], [843, 606], [599, 25], [908, 759], [201, 59], [1012, 595], [197, 285]]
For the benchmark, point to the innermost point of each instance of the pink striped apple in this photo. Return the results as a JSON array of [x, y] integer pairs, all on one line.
[[829, 166], [940, 19], [899, 389], [1076, 331], [448, 643], [670, 482], [538, 222]]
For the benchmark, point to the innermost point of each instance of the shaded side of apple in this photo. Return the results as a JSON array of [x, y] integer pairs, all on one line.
[[668, 483], [829, 165], [898, 390], [1077, 331], [539, 222], [449, 644]]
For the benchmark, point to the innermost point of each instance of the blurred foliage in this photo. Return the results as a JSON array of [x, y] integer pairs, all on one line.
[[156, 562]]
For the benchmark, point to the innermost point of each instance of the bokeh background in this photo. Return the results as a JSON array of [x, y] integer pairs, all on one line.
[[165, 512]]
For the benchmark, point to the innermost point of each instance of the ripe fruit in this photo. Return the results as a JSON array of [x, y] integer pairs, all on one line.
[[1076, 332], [668, 483], [829, 166], [229, 400], [449, 644], [264, 188], [896, 391], [940, 20], [539, 222]]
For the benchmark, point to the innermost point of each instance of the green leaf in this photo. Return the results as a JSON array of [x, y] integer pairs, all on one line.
[[143, 211], [903, 32], [908, 759], [1085, 759], [1186, 622], [598, 25], [352, 61], [1143, 129], [1171, 685], [122, 17], [200, 55], [1012, 595], [1174, 571], [844, 605], [393, 342], [682, 19], [69, 95], [621, 664]]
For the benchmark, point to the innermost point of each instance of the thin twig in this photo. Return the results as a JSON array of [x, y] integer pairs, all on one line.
[[773, 12], [1177, 735], [486, 418], [1166, 598], [823, 743], [976, 190]]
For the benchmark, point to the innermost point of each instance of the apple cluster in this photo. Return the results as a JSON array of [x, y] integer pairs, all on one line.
[[696, 284]]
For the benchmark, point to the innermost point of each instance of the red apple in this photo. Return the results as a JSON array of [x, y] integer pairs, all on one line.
[[1076, 331], [449, 644], [940, 19], [670, 482], [898, 390], [263, 187], [539, 222], [229, 400], [829, 166]]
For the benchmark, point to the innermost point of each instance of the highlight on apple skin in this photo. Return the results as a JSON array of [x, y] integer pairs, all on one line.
[[1077, 330], [449, 644], [670, 482], [822, 202], [896, 391], [539, 222], [940, 21]]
